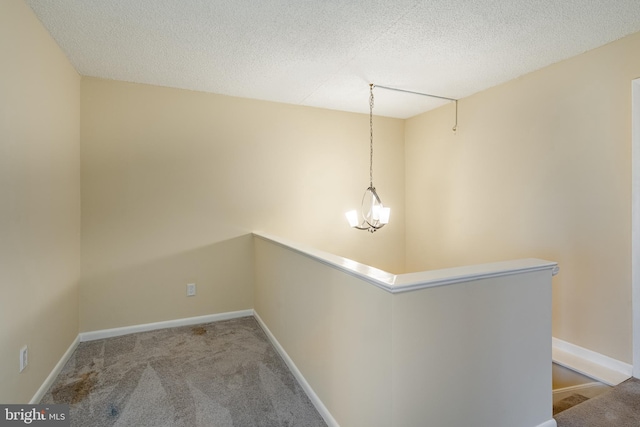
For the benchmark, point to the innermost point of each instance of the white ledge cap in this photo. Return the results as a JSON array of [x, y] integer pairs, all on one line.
[[396, 283]]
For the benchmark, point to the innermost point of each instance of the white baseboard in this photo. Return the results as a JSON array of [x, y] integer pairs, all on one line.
[[595, 365], [550, 423], [116, 332], [575, 388], [324, 412], [126, 330], [54, 372]]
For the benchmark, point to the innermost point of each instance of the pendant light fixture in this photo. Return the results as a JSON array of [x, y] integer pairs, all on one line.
[[373, 214]]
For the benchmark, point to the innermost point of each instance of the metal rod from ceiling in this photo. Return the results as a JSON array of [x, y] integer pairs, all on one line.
[[455, 126]]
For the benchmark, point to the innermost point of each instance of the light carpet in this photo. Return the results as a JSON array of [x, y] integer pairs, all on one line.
[[619, 407], [568, 402], [223, 374]]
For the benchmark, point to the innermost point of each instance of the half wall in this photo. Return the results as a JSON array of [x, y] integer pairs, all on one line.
[[454, 347]]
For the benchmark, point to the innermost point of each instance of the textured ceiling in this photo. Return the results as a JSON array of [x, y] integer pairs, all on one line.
[[324, 53]]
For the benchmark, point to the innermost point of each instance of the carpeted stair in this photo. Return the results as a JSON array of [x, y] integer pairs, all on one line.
[[618, 407]]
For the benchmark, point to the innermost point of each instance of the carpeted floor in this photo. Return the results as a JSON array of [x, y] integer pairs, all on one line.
[[568, 402], [217, 374], [619, 407]]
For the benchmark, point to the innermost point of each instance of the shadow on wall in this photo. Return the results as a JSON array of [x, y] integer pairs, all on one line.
[[156, 290]]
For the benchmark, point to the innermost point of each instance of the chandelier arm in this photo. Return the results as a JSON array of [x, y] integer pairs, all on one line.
[[366, 225], [373, 225]]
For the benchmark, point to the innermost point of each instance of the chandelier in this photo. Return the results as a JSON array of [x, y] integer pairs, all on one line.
[[373, 214]]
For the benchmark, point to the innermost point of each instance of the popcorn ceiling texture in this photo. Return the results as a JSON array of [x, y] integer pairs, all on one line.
[[324, 53]]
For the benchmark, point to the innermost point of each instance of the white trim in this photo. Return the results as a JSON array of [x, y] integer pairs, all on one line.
[[396, 283], [587, 362], [550, 423], [126, 330], [576, 387], [54, 372], [635, 222], [108, 333], [324, 412]]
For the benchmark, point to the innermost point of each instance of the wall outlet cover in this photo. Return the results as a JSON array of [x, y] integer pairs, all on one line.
[[24, 358], [191, 289]]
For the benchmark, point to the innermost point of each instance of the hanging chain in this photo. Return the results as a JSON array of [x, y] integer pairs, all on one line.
[[371, 135]]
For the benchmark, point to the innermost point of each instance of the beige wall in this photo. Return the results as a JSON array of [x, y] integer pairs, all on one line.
[[173, 179], [540, 167], [335, 327], [484, 342], [380, 359], [39, 201]]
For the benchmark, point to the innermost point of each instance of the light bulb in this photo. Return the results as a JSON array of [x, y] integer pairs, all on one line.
[[352, 217], [384, 215], [375, 211]]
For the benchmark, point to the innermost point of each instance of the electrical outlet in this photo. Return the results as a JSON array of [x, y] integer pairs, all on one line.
[[24, 358], [191, 289]]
